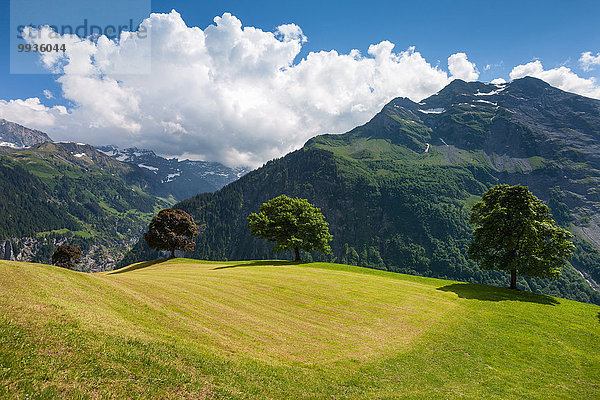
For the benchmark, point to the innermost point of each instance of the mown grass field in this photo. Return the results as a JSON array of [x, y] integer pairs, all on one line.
[[278, 330]]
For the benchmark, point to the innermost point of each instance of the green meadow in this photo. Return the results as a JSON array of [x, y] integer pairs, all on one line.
[[187, 329]]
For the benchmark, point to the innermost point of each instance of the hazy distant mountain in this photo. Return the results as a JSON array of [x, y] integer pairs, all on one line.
[[18, 136], [182, 179], [397, 191]]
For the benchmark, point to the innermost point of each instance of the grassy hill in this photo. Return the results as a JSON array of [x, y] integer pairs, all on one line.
[[278, 330]]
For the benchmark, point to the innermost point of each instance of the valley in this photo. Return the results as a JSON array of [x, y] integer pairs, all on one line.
[[56, 193]]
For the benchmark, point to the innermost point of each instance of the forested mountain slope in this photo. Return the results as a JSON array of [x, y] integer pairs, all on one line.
[[57, 193], [54, 193]]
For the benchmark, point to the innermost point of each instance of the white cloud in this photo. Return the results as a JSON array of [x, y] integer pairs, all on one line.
[[498, 81], [290, 32], [588, 61], [461, 68], [561, 77], [31, 113], [48, 94], [227, 93], [235, 94]]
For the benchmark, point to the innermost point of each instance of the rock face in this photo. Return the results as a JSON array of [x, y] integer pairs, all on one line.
[[6, 252], [18, 136], [99, 255]]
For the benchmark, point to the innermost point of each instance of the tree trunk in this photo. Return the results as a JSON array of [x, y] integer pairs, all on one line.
[[172, 253], [513, 278], [297, 254]]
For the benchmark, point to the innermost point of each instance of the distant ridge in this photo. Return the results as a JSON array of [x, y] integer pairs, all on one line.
[[181, 179], [18, 136]]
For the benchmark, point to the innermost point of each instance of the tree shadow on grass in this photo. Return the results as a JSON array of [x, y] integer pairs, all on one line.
[[140, 265], [259, 263], [490, 293]]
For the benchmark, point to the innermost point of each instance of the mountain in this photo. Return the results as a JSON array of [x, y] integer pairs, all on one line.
[[61, 192], [57, 193], [397, 191], [189, 329], [18, 136], [171, 177]]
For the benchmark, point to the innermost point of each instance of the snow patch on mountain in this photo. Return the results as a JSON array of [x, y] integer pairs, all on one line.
[[487, 102], [493, 92], [148, 167], [433, 111]]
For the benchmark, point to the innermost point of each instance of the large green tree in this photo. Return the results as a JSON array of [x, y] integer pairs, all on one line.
[[514, 231], [171, 230], [291, 223]]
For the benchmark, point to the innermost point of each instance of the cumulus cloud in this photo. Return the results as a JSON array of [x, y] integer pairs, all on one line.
[[32, 113], [48, 94], [589, 61], [561, 77], [227, 93], [290, 32], [461, 68], [498, 81]]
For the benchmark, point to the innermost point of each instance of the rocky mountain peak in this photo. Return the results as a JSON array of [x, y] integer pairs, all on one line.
[[18, 136]]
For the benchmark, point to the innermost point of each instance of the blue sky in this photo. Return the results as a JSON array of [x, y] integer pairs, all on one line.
[[490, 32], [496, 36]]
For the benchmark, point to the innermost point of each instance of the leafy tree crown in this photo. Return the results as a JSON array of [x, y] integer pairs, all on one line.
[[514, 230], [291, 223], [172, 230]]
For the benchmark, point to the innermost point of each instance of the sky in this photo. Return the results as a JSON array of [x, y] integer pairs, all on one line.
[[242, 82]]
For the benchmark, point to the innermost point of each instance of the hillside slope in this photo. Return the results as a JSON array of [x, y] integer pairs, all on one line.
[[253, 330], [397, 191]]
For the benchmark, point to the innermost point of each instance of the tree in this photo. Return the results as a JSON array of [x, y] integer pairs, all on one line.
[[67, 256], [291, 223], [514, 231], [171, 230]]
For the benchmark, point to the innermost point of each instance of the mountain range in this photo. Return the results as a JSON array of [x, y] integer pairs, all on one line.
[[397, 191], [179, 178], [61, 192]]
